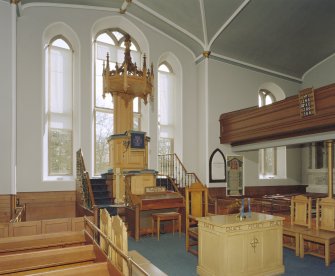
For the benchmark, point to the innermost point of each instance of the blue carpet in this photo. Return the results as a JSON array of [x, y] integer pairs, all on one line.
[[169, 255]]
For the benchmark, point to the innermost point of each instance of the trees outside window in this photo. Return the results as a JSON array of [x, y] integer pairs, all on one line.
[[59, 107], [109, 41]]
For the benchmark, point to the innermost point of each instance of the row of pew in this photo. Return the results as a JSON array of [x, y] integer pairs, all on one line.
[[63, 253]]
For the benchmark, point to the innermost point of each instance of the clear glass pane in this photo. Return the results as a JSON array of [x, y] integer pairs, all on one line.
[[136, 105], [61, 44], [60, 151], [105, 38], [118, 35], [136, 122], [268, 100], [165, 146], [164, 68], [269, 161], [99, 100], [103, 129]]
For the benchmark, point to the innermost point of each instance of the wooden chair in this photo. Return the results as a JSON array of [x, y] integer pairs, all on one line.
[[301, 219], [318, 242], [196, 197]]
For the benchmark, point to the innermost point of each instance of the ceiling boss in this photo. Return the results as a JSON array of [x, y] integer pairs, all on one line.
[[127, 81]]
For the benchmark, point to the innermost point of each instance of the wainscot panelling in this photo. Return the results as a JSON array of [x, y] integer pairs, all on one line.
[[5, 208], [48, 205]]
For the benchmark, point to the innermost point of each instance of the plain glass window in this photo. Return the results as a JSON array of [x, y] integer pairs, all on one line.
[[59, 107], [109, 41], [267, 156], [166, 109]]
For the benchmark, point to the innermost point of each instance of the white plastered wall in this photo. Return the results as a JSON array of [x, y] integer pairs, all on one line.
[[231, 88], [83, 22], [7, 98]]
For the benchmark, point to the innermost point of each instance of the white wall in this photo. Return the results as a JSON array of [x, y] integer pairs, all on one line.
[[7, 100], [201, 119], [232, 88], [321, 74], [31, 25]]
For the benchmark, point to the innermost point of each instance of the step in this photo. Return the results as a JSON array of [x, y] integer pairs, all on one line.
[[98, 181], [46, 258], [47, 241], [99, 187], [100, 193], [98, 269]]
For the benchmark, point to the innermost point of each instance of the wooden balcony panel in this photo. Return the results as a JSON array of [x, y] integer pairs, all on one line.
[[279, 120]]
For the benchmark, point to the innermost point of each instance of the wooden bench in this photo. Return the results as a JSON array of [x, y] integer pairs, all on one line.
[[47, 259], [43, 241], [99, 269], [167, 216]]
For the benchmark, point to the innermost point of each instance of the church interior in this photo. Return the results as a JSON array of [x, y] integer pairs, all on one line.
[[212, 121]]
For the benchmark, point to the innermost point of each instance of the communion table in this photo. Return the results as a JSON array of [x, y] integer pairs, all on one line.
[[231, 246]]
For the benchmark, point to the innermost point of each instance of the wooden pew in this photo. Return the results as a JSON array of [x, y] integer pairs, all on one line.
[[44, 241], [47, 259], [99, 269], [115, 229]]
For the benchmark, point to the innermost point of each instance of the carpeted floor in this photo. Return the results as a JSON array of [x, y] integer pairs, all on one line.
[[170, 256]]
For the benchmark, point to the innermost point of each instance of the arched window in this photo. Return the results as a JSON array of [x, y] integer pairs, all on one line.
[[217, 166], [267, 156], [59, 107], [265, 97], [166, 108], [109, 41]]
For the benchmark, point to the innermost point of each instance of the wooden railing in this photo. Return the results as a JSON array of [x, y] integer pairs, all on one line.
[[97, 236], [171, 166], [20, 214], [83, 184]]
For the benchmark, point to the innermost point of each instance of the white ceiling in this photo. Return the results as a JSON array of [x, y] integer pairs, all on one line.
[[284, 36]]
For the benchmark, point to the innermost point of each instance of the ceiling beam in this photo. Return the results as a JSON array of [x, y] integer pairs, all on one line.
[[203, 20], [156, 14]]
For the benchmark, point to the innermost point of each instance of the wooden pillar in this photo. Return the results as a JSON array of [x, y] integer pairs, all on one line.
[[330, 168]]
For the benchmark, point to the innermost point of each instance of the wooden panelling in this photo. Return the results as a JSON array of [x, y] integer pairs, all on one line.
[[27, 228], [48, 205], [259, 191], [5, 208], [4, 230], [56, 225], [279, 120]]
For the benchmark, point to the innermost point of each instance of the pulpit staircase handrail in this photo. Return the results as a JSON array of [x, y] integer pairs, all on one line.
[[171, 166], [83, 185]]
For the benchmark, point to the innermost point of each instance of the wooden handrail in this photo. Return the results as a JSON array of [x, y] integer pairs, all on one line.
[[187, 178], [19, 213], [128, 259]]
